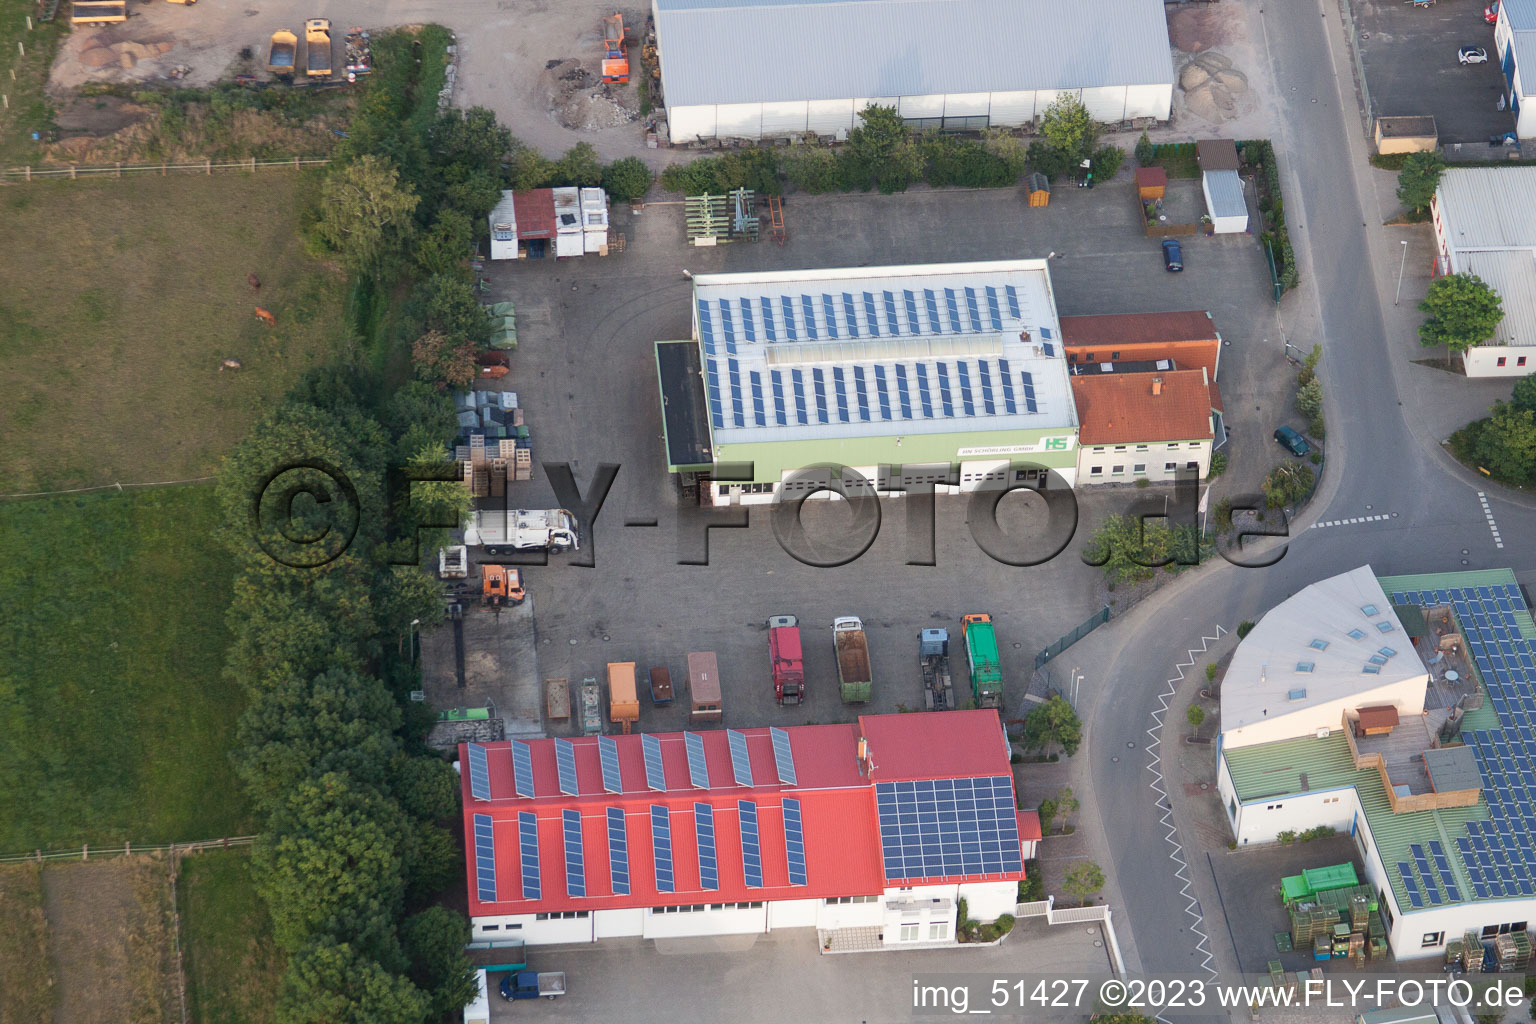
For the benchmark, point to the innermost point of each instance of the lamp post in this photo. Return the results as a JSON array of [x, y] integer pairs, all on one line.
[[1402, 265]]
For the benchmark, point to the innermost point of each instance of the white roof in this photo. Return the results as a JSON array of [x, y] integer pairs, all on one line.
[[875, 351], [750, 51], [1351, 618], [1485, 208], [1513, 276], [1225, 191], [503, 212]]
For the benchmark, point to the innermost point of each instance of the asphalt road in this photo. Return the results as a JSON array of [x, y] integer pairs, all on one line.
[[1380, 463]]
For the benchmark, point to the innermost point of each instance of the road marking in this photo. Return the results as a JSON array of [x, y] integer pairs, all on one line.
[[1350, 522], [1492, 525], [1162, 798]]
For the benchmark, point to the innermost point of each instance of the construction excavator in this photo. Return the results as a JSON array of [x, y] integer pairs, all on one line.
[[501, 586], [615, 51]]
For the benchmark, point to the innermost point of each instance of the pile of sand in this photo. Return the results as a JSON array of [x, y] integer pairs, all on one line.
[[123, 55], [582, 102], [1213, 87]]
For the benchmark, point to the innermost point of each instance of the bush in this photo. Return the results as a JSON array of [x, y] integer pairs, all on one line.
[[1106, 162], [1033, 886], [1309, 398], [627, 180], [1048, 160], [1144, 151], [1316, 427], [1287, 485], [963, 162], [812, 169], [1210, 672], [529, 169], [579, 167], [1286, 838], [694, 178], [1244, 628], [1218, 464]]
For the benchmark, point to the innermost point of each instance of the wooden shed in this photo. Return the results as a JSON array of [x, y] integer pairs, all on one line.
[[1038, 187], [1378, 720], [1151, 182]]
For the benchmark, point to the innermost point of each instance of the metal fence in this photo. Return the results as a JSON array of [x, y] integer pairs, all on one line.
[[1357, 59], [117, 170], [1093, 622], [85, 852]]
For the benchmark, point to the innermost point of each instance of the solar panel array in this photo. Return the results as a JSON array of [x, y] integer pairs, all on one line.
[[783, 757], [1499, 854], [618, 851], [522, 769], [741, 765], [794, 842], [661, 846], [528, 853], [704, 832], [565, 765], [575, 863], [725, 325], [945, 827], [485, 858], [655, 774], [608, 753], [751, 844], [479, 772], [698, 768]]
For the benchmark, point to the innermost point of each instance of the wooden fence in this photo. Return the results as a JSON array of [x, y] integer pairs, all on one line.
[[84, 851], [74, 171]]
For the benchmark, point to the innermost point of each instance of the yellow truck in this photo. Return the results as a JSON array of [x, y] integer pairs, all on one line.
[[283, 52], [98, 12], [317, 46]]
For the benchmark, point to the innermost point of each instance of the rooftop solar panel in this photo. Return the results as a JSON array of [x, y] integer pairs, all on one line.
[[759, 411], [819, 388], [967, 399], [840, 387], [850, 317], [994, 311], [727, 327], [655, 774], [799, 386], [618, 851], [913, 325], [698, 768], [863, 395], [485, 858], [783, 756], [780, 415], [945, 401], [1006, 376], [1405, 872], [737, 404], [766, 305], [706, 329], [902, 392], [808, 317], [882, 392], [661, 846], [973, 309], [575, 862], [522, 769], [565, 764], [935, 828], [751, 844], [479, 772], [787, 309], [952, 304], [986, 386], [924, 395], [1029, 391], [893, 325], [1013, 301], [830, 312], [741, 764], [931, 303], [748, 324], [528, 853], [794, 842], [704, 830]]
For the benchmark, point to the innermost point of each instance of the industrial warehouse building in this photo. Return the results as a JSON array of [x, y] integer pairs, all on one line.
[[1400, 711], [1485, 224], [901, 373], [1514, 46], [869, 832], [754, 69]]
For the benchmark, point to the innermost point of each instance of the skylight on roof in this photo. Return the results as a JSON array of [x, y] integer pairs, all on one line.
[[1356, 634], [1304, 666], [1321, 645], [1377, 659], [1371, 670], [1389, 652], [1370, 609], [1385, 627], [1296, 695]]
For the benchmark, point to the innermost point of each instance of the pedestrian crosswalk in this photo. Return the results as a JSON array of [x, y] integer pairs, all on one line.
[[1354, 521]]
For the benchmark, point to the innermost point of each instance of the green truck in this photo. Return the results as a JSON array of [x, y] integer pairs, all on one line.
[[986, 669], [855, 682]]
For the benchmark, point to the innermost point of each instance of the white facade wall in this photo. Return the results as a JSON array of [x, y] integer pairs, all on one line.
[[1485, 360], [730, 921], [1117, 464], [1261, 821], [827, 117], [831, 916], [975, 475], [793, 913], [987, 901], [1407, 696], [619, 924]]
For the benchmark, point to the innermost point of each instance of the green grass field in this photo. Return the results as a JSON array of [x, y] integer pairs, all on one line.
[[119, 302], [115, 709], [23, 74], [231, 963]]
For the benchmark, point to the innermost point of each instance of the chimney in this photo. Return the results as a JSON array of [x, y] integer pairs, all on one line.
[[1157, 385]]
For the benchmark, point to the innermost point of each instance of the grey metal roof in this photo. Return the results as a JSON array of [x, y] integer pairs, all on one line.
[[1521, 14], [1452, 769], [749, 51], [1489, 207], [1225, 189], [1513, 275]]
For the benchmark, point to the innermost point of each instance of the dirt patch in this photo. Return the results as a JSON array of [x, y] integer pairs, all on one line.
[[581, 101], [1194, 30], [99, 115], [26, 981], [1214, 88], [110, 941]]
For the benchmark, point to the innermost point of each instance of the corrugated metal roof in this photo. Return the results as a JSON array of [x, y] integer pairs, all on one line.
[[1225, 190], [749, 51], [1488, 207], [1513, 275], [1521, 14]]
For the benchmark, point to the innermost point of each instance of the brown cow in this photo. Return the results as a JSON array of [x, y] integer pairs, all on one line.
[[229, 364], [266, 317], [254, 281]]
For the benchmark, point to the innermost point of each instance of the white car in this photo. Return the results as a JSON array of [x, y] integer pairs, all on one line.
[[1472, 55]]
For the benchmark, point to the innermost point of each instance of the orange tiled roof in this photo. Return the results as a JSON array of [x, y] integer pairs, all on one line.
[[1120, 408]]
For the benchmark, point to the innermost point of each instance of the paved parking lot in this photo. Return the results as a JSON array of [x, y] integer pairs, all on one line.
[[1411, 68], [586, 378], [782, 976]]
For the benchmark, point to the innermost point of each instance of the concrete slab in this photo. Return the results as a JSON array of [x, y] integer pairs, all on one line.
[[499, 665]]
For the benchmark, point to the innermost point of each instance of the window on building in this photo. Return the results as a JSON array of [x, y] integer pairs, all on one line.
[[1117, 471], [1502, 360], [1119, 447], [1520, 361], [1169, 467], [1095, 470], [490, 927], [938, 931], [1115, 356], [910, 932], [833, 901], [562, 915], [1232, 808], [1173, 447], [1098, 451], [1140, 467], [1432, 939], [1192, 465]]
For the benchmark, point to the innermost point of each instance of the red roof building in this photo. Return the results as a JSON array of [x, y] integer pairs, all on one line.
[[738, 830], [1188, 339], [1153, 425]]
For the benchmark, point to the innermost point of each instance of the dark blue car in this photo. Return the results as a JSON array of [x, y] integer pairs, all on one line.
[[1173, 255]]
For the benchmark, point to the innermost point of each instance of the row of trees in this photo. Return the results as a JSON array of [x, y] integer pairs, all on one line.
[[1505, 442], [884, 154]]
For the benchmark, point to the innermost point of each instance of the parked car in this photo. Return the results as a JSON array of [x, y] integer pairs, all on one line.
[[1491, 13], [1472, 55], [1173, 255], [1292, 441]]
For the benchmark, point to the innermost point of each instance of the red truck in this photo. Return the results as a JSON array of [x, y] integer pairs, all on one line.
[[787, 664]]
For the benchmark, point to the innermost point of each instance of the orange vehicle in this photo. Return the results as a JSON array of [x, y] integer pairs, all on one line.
[[501, 586], [494, 372], [615, 51]]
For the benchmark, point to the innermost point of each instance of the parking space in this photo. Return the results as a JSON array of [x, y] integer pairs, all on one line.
[[586, 379], [783, 976], [1411, 66]]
